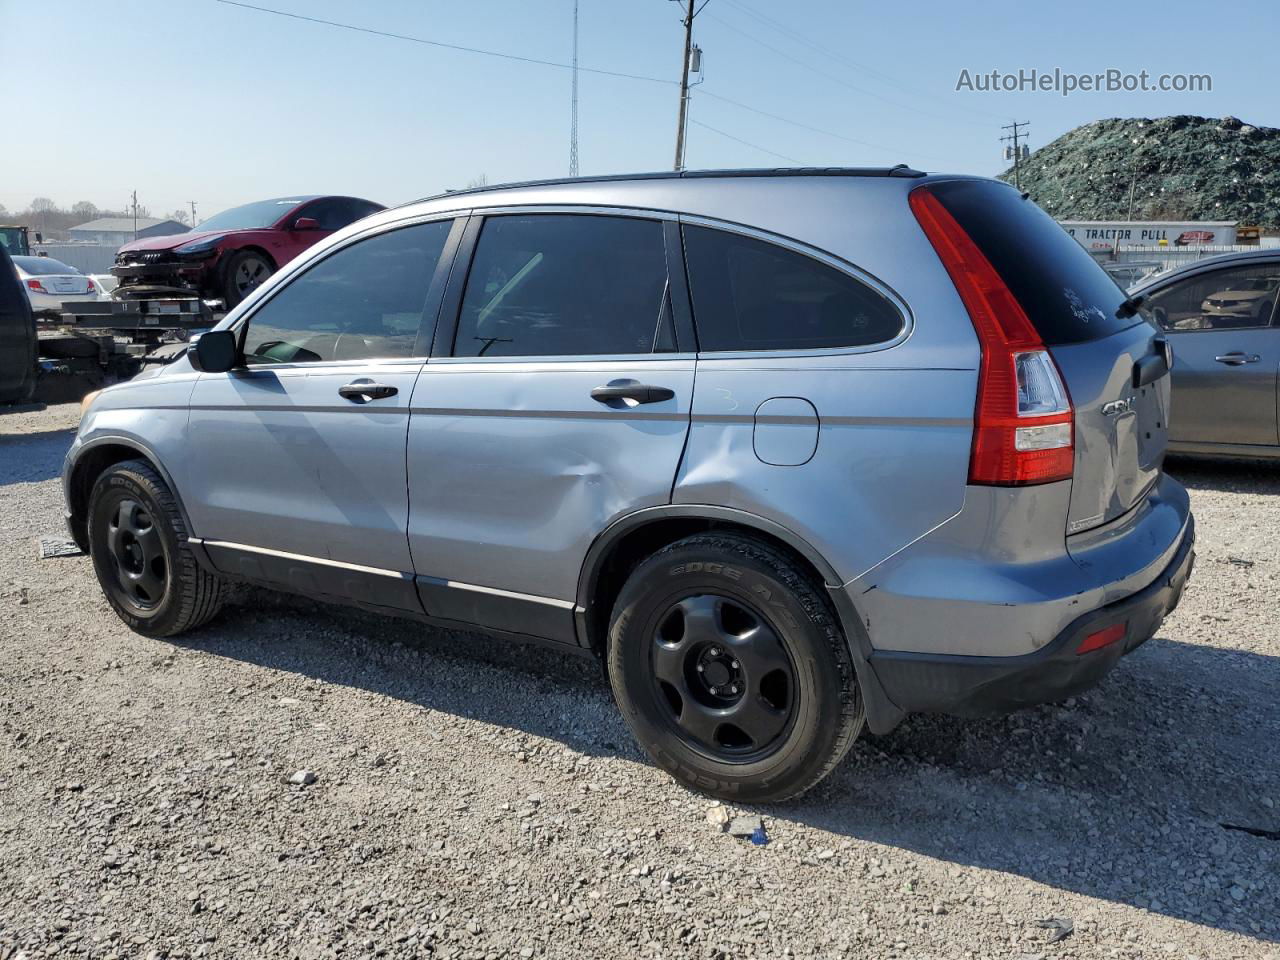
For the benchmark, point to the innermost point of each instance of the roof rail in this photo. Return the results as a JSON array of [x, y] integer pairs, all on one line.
[[900, 170]]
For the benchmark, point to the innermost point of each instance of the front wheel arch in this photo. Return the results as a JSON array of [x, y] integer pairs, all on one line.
[[230, 257], [91, 462]]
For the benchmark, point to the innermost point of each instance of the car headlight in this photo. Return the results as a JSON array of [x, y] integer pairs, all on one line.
[[198, 248], [89, 397]]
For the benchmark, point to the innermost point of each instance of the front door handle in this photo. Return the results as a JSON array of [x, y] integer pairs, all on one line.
[[1236, 358], [364, 390], [615, 392]]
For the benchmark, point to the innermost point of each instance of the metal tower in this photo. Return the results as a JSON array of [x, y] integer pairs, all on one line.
[[573, 109]]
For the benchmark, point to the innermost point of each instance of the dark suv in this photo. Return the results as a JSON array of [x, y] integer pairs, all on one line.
[[229, 254]]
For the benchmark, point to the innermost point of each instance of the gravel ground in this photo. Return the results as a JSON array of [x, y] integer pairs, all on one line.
[[473, 800]]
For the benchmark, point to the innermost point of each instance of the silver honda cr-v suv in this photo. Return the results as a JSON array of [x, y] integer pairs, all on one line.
[[792, 451]]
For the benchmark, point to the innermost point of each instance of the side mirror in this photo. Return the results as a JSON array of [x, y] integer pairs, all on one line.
[[215, 352], [39, 237], [306, 223]]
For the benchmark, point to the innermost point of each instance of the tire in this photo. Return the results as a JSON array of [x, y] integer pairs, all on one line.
[[244, 271], [138, 544], [766, 700]]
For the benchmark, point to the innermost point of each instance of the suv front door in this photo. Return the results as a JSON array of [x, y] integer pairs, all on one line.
[[1226, 354], [297, 457], [556, 400]]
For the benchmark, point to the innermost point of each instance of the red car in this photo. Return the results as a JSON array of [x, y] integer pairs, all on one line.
[[1189, 237], [229, 254]]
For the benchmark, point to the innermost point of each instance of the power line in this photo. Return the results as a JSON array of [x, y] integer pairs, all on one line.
[[787, 31], [897, 151], [745, 143], [446, 46], [570, 66], [832, 77]]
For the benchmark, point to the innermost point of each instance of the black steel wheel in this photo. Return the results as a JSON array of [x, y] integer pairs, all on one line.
[[725, 676], [144, 563], [137, 554], [731, 670]]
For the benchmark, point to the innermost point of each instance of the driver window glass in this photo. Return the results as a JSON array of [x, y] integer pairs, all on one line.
[[1222, 300], [363, 302]]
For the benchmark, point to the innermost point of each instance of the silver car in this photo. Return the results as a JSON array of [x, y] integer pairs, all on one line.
[[1220, 316], [50, 283], [794, 452]]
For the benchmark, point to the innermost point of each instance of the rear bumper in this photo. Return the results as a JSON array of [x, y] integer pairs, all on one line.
[[981, 685]]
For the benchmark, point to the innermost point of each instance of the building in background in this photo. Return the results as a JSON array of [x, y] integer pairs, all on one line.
[[114, 231], [1097, 235]]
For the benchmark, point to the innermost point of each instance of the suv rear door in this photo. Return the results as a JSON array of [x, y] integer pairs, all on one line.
[[555, 401], [1121, 425]]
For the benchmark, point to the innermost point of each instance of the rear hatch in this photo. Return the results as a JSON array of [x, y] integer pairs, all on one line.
[[1111, 360]]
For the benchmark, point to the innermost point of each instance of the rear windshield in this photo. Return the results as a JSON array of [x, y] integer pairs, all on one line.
[[1067, 296], [43, 266]]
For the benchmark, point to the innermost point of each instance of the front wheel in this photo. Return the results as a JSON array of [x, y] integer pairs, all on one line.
[[138, 543], [245, 270], [731, 671]]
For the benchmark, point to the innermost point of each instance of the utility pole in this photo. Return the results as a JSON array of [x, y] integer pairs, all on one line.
[[193, 213], [573, 109], [1017, 154], [684, 87], [134, 197]]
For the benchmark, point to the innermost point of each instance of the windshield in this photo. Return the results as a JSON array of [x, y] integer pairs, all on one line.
[[251, 216], [43, 266]]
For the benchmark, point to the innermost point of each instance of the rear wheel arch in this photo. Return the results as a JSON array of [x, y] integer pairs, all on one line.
[[630, 540]]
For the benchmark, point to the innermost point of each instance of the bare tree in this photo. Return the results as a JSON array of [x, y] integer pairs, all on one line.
[[84, 211], [182, 216], [480, 181], [43, 205]]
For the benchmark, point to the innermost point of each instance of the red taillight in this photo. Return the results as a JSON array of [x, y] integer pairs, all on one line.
[[35, 285], [90, 288], [1013, 444], [1103, 638]]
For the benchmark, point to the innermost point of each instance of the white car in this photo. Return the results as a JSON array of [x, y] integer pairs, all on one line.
[[105, 283], [50, 283]]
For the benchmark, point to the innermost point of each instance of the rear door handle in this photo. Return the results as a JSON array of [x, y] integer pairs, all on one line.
[[364, 390], [615, 391], [1236, 358]]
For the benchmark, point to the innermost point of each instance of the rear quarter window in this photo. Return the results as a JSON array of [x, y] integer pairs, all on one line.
[[749, 294], [1067, 296]]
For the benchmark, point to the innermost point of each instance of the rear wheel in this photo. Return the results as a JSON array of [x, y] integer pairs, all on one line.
[[245, 270], [138, 543], [731, 671]]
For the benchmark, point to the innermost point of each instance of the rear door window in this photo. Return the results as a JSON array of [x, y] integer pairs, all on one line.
[[1065, 293], [565, 285], [749, 294], [1221, 300]]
